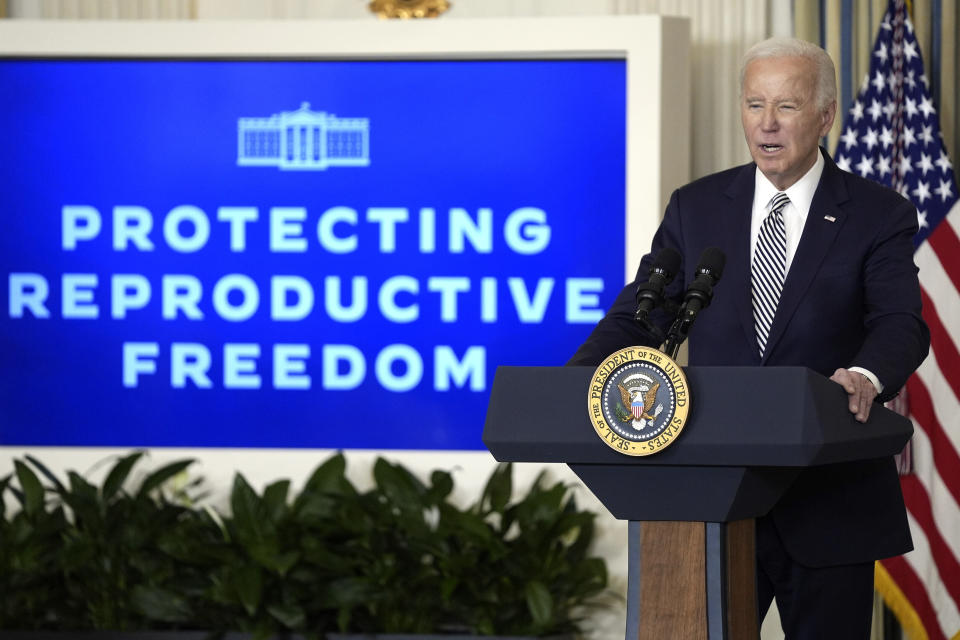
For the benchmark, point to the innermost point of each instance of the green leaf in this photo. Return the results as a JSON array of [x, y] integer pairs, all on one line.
[[268, 555], [54, 480], [160, 605], [591, 576], [82, 499], [578, 550], [249, 585], [496, 494], [466, 523], [539, 602], [343, 619], [4, 484], [348, 592], [290, 615], [81, 488], [118, 475], [32, 489], [441, 485], [329, 477], [161, 475], [540, 506], [275, 499], [447, 587], [485, 627], [246, 507], [311, 508], [399, 485]]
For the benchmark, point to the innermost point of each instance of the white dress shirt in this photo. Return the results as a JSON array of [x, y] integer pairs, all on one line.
[[794, 213]]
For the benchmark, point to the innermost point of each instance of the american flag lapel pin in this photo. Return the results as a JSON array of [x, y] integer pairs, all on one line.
[[829, 218]]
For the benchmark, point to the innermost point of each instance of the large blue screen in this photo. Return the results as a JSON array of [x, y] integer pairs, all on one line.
[[337, 254]]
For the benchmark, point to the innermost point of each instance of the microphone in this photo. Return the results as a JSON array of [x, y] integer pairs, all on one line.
[[700, 292], [650, 293], [698, 297]]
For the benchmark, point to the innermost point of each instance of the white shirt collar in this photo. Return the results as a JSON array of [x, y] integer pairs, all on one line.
[[794, 214]]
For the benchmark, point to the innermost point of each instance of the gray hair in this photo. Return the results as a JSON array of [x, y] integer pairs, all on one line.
[[826, 87]]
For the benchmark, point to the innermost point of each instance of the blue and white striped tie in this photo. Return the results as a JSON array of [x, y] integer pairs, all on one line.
[[769, 268]]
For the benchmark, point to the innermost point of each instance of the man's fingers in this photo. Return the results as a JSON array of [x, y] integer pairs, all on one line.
[[855, 404], [865, 395], [863, 404], [861, 392]]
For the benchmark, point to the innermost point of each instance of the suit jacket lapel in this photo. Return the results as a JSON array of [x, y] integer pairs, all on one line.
[[818, 236], [737, 271]]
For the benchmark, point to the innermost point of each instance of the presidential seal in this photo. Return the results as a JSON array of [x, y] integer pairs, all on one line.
[[638, 401]]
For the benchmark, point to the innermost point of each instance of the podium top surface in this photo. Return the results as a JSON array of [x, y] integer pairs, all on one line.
[[739, 416]]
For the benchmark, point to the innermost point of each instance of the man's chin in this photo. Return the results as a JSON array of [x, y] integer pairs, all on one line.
[[770, 167]]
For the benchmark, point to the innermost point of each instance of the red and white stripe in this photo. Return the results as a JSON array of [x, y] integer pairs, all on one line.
[[929, 576]]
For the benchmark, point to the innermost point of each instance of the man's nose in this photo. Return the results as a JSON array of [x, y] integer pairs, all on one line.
[[768, 121]]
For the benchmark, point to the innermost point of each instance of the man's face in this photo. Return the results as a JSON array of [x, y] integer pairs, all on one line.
[[781, 121]]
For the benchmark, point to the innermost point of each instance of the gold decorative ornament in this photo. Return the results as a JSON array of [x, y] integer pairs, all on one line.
[[638, 401], [406, 9]]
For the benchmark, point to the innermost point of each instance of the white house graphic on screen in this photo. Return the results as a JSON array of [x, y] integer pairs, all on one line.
[[303, 140]]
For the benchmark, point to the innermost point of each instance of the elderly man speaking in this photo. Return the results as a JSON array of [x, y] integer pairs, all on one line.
[[819, 274]]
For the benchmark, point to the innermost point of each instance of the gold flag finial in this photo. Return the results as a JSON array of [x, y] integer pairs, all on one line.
[[406, 9]]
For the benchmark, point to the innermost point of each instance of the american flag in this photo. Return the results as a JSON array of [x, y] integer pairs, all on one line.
[[891, 134]]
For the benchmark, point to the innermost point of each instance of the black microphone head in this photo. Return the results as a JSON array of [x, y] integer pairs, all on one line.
[[667, 262], [650, 293], [712, 261]]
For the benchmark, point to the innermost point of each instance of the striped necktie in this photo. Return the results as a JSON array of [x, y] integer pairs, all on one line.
[[769, 268]]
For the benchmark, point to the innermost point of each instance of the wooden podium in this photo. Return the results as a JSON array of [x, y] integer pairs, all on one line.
[[691, 551]]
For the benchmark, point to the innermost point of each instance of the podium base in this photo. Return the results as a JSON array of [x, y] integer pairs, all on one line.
[[692, 580]]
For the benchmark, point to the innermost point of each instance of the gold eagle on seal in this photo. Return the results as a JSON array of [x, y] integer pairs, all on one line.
[[640, 417]]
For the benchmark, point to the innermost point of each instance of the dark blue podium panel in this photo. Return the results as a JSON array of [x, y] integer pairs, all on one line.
[[739, 416], [750, 431]]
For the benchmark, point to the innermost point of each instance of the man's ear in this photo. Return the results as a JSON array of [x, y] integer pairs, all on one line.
[[826, 118]]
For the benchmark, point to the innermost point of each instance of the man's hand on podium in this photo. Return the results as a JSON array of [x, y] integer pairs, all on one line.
[[859, 388]]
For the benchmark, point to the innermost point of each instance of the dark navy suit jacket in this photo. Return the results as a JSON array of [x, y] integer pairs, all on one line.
[[851, 298]]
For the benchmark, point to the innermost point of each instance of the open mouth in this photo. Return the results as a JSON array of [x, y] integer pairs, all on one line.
[[770, 148]]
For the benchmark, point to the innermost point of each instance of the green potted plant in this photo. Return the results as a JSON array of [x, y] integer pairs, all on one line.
[[400, 558]]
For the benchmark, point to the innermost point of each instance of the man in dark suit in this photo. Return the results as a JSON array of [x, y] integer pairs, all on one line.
[[819, 273]]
